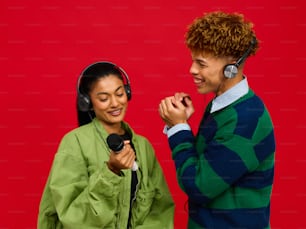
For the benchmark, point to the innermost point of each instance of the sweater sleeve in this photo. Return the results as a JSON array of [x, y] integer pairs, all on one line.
[[226, 152], [82, 200]]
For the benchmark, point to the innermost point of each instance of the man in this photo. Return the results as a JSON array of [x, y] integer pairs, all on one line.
[[227, 169]]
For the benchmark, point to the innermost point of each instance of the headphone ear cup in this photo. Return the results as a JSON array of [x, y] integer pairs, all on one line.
[[83, 102], [230, 71], [128, 91]]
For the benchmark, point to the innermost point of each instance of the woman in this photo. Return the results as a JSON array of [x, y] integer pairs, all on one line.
[[91, 186]]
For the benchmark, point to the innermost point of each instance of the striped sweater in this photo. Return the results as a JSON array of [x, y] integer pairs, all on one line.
[[227, 169]]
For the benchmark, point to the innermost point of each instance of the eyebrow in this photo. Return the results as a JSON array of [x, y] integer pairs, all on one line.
[[105, 93], [200, 61]]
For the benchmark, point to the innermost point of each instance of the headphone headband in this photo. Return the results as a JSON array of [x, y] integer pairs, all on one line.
[[246, 53], [123, 73]]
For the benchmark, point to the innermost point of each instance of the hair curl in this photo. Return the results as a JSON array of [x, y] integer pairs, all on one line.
[[221, 34]]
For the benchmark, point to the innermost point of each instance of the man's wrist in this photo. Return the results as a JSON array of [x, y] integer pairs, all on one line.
[[176, 128]]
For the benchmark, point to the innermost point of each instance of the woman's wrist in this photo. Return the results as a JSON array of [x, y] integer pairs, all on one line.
[[113, 169]]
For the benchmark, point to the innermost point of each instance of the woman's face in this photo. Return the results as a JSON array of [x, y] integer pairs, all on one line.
[[109, 100]]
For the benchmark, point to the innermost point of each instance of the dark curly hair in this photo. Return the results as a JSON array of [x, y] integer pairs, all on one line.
[[221, 34]]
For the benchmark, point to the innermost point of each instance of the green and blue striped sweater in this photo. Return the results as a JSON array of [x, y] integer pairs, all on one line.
[[227, 169]]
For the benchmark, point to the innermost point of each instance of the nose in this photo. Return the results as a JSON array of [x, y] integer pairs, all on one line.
[[193, 69], [114, 102]]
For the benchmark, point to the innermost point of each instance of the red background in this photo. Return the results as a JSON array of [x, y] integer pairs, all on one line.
[[46, 44]]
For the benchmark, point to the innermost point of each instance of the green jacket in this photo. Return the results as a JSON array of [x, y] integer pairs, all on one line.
[[82, 193]]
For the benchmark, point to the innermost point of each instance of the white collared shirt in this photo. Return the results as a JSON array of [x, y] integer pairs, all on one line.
[[230, 96]]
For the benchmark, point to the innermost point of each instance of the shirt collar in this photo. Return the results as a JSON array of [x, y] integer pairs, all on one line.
[[230, 96]]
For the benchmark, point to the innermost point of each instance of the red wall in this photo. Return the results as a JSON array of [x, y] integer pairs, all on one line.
[[46, 44]]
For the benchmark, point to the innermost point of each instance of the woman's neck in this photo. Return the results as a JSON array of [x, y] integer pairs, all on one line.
[[113, 128]]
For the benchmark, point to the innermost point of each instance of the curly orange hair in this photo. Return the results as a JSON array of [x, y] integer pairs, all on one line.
[[221, 34]]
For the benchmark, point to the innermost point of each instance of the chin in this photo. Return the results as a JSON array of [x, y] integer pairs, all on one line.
[[202, 91], [117, 119]]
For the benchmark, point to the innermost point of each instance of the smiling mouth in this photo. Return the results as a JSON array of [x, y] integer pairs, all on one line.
[[115, 112], [198, 81]]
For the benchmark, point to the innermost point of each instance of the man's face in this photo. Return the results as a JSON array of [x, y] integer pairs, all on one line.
[[207, 72]]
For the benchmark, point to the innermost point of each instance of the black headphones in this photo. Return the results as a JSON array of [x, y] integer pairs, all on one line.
[[231, 70], [83, 100]]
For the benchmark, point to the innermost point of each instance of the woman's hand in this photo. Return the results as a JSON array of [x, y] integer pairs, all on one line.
[[121, 160]]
